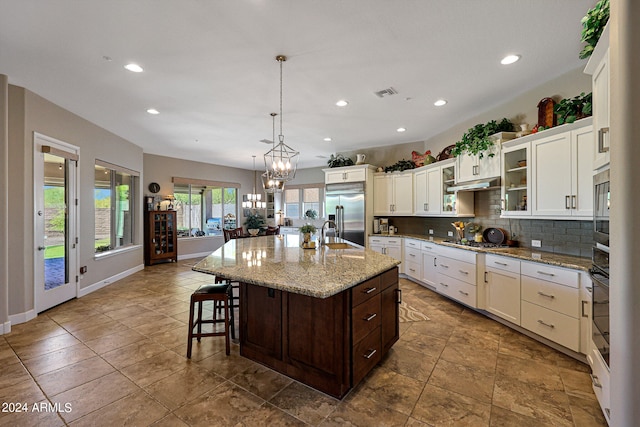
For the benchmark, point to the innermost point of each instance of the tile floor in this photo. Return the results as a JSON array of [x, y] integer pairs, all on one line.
[[117, 357]]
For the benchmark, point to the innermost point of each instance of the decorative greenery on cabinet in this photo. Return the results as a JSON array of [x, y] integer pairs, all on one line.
[[571, 109], [338, 161], [592, 26], [477, 139]]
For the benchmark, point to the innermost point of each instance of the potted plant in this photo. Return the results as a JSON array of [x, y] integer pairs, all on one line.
[[338, 161], [571, 109], [401, 165], [254, 222], [477, 141], [592, 26], [307, 230], [311, 214]]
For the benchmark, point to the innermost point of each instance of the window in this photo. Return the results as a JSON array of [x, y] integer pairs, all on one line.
[[115, 190], [299, 201], [204, 210]]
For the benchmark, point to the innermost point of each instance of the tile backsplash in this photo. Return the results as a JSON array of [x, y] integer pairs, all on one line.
[[567, 237]]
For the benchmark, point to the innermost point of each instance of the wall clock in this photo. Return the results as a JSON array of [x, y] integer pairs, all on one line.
[[154, 187]]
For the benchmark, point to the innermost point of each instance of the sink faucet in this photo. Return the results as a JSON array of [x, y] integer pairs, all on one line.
[[329, 221]]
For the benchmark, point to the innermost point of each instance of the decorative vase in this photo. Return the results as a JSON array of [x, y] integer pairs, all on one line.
[[253, 231], [306, 237]]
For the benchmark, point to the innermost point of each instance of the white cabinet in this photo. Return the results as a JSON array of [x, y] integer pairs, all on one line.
[[456, 275], [391, 246], [429, 263], [502, 287], [551, 303], [454, 203], [356, 173], [289, 230], [598, 68], [426, 191], [471, 167], [562, 174], [585, 318], [412, 259], [516, 179], [393, 194]]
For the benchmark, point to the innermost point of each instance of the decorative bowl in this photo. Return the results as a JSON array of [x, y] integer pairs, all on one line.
[[253, 231]]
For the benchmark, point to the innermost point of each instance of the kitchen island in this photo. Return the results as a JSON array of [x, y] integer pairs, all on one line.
[[323, 316]]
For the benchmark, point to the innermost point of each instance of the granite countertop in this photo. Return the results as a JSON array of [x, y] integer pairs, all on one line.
[[279, 262], [525, 254]]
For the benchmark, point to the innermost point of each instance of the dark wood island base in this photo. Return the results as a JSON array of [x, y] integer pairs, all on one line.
[[329, 344]]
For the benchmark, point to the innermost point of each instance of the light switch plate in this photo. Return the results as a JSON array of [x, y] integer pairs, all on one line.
[[431, 231], [450, 233], [536, 243]]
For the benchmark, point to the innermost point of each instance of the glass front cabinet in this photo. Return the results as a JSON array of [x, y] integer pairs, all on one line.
[[161, 239], [516, 179]]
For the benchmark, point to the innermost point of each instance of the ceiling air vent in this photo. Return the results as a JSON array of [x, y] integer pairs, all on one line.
[[386, 92], [266, 141]]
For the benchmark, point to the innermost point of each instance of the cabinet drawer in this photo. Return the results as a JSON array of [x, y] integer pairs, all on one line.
[[552, 325], [413, 269], [600, 381], [366, 354], [559, 275], [428, 247], [412, 254], [388, 278], [386, 241], [457, 289], [364, 291], [562, 299], [458, 254], [503, 263], [457, 269], [411, 243], [365, 318]]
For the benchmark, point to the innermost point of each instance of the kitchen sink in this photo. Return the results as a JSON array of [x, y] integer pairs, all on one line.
[[339, 245]]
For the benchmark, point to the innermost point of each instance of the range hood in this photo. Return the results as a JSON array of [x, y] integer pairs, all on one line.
[[483, 184]]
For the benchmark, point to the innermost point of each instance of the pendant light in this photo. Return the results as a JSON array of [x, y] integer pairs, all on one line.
[[269, 183], [254, 199], [281, 160]]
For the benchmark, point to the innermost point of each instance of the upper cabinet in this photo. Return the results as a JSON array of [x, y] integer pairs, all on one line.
[[345, 174], [427, 188], [516, 179], [393, 194], [472, 167], [598, 68], [454, 203], [562, 174]]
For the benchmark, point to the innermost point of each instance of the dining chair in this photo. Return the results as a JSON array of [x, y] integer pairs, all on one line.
[[272, 231], [233, 233]]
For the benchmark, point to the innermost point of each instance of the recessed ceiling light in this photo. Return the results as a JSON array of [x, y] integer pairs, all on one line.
[[134, 67], [510, 59], [440, 102], [401, 129], [342, 103], [153, 111], [328, 139]]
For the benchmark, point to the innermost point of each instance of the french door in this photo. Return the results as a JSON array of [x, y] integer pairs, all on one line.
[[55, 222]]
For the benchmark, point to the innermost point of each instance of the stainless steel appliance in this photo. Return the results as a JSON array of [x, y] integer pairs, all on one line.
[[600, 260], [346, 203]]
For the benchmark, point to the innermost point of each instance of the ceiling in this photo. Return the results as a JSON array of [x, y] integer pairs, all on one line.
[[210, 68]]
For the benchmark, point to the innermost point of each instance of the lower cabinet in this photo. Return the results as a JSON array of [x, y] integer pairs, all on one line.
[[385, 245], [456, 275], [502, 287], [330, 343], [412, 259], [429, 263]]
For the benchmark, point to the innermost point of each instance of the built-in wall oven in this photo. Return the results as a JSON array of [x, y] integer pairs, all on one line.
[[600, 259]]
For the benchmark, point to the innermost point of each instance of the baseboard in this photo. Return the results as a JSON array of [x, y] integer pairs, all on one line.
[[106, 282], [15, 319], [198, 255], [5, 328]]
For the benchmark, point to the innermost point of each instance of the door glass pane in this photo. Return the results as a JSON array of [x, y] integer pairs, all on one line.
[[123, 215], [56, 264], [102, 200]]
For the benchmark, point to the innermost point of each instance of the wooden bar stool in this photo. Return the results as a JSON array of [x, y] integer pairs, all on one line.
[[216, 292]]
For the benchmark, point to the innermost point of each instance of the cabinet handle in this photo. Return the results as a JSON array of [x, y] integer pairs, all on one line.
[[566, 202], [583, 312], [464, 293], [504, 264], [546, 295], [601, 147], [545, 273], [427, 206], [370, 318], [573, 202], [434, 262], [384, 251], [444, 266], [463, 272], [398, 296], [413, 255], [424, 206], [485, 277], [444, 284], [549, 325], [370, 354], [594, 381], [369, 290], [412, 270]]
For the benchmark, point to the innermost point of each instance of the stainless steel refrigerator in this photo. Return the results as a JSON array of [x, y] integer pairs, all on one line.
[[344, 203]]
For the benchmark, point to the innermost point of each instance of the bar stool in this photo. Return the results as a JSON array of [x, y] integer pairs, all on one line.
[[216, 292]]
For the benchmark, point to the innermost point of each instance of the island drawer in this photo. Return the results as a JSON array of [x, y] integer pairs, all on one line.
[[366, 317], [388, 278], [366, 354], [365, 291]]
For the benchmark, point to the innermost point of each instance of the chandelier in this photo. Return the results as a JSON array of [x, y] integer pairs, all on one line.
[[269, 182], [253, 200], [281, 160]]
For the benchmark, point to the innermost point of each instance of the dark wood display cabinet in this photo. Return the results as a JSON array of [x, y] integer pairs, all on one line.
[[160, 237]]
